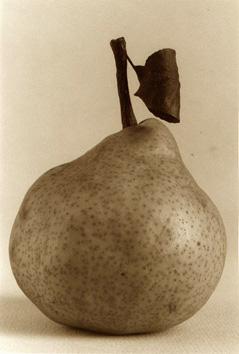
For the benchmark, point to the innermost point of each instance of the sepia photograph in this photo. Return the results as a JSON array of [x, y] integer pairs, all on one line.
[[119, 176]]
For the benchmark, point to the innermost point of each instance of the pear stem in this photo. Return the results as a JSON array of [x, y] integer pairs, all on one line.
[[120, 54]]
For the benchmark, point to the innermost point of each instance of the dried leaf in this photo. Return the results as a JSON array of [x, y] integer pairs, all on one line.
[[159, 85]]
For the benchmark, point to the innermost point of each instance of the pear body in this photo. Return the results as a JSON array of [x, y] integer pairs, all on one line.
[[121, 240]]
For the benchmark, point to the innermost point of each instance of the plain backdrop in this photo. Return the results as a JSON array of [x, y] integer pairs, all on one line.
[[59, 99]]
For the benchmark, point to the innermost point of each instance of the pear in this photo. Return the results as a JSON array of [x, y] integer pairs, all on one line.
[[121, 240]]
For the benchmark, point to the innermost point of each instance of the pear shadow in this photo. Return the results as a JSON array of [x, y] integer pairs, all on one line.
[[19, 316]]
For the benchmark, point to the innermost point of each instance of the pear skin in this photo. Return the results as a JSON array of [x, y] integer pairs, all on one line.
[[121, 240]]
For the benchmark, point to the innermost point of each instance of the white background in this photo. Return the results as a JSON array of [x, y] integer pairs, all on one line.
[[59, 98]]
